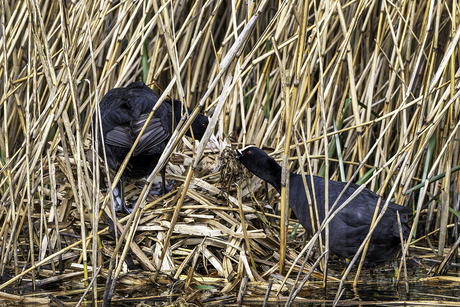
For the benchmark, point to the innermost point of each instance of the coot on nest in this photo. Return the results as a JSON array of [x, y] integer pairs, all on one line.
[[350, 226], [123, 114]]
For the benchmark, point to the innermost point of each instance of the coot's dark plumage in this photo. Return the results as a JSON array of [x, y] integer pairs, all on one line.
[[123, 114], [350, 226]]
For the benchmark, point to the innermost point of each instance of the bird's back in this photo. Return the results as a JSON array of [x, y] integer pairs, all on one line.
[[351, 225], [123, 114]]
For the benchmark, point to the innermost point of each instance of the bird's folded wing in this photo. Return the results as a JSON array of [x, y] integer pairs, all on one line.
[[119, 136], [356, 217], [154, 134]]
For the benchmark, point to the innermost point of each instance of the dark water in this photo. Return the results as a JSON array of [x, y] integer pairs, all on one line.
[[378, 286], [375, 287]]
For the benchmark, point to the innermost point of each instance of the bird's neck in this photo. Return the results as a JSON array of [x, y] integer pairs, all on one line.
[[178, 111], [177, 105], [274, 177]]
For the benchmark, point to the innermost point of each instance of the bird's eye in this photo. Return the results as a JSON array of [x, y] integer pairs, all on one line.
[[204, 125], [249, 152]]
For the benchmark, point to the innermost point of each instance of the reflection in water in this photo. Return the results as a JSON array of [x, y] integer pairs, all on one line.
[[378, 285]]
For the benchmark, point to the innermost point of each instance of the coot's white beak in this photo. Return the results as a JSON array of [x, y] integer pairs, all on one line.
[[213, 140], [238, 153]]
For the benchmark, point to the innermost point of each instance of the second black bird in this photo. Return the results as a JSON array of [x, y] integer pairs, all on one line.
[[123, 114], [350, 226]]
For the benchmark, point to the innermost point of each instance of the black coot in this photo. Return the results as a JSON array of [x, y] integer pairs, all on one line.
[[123, 114], [350, 226]]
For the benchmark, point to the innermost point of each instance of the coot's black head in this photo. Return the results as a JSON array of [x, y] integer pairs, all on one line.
[[261, 165], [250, 155], [199, 125]]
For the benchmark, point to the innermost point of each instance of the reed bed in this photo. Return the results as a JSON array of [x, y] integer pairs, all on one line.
[[362, 91]]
